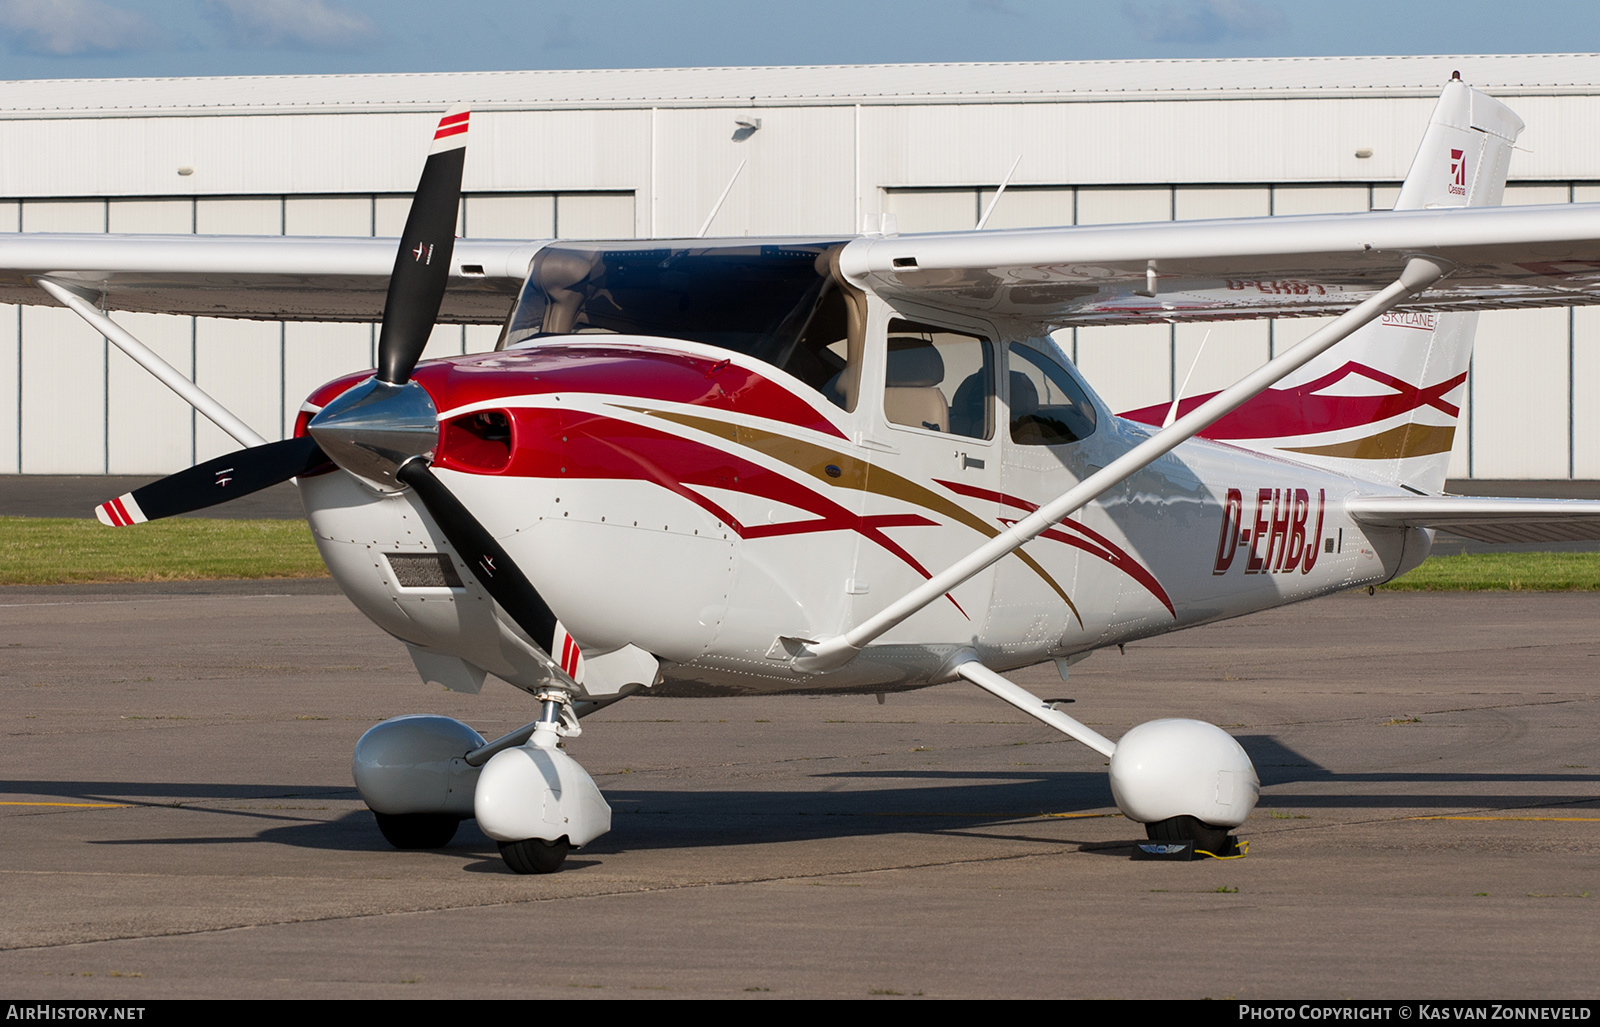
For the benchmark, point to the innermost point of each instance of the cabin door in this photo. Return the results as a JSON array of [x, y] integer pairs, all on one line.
[[935, 469]]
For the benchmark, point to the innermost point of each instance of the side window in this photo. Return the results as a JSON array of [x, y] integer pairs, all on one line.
[[939, 380], [1048, 406]]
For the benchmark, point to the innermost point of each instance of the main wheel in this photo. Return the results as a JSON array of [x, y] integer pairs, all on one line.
[[1183, 829], [534, 855], [417, 830]]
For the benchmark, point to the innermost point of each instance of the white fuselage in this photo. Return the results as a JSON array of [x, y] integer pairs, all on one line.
[[702, 531]]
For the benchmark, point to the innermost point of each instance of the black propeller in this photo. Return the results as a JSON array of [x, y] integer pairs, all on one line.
[[416, 289], [490, 563], [215, 481], [422, 265], [386, 428]]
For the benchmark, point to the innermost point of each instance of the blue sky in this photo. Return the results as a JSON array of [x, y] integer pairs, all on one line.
[[115, 38]]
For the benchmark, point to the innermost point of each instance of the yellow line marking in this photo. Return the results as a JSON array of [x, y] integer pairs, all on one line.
[[78, 805], [996, 816], [1564, 820]]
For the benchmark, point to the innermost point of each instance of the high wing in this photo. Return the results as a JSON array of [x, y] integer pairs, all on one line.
[[1498, 257], [1495, 258], [274, 278], [1485, 520], [1320, 265]]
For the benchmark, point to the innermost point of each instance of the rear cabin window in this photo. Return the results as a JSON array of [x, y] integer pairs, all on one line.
[[1048, 406]]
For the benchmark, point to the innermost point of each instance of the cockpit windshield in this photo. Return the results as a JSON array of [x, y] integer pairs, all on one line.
[[784, 303], [754, 299]]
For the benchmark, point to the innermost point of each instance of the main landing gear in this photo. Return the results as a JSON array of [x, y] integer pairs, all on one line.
[[418, 830], [422, 775], [1204, 837], [1185, 780]]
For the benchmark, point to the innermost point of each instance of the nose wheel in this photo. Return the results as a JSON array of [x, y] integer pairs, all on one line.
[[535, 800], [534, 855]]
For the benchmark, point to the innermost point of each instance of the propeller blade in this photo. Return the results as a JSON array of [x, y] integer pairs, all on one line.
[[215, 481], [490, 563], [422, 266]]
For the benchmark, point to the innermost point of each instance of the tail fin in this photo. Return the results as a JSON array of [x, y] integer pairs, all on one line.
[[1383, 404], [1465, 154]]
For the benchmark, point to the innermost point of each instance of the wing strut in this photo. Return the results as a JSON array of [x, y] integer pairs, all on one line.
[[830, 654], [974, 671], [146, 358]]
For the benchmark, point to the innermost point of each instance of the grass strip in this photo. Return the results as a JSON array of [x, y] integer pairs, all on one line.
[[53, 551], [1503, 572], [58, 551]]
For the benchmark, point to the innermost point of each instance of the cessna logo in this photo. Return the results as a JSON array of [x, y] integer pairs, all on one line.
[[1275, 537], [1458, 173]]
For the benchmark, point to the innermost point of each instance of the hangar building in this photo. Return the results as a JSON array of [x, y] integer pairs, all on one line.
[[815, 150]]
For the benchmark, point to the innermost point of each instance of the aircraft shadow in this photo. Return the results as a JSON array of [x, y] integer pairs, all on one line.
[[1006, 802], [151, 792]]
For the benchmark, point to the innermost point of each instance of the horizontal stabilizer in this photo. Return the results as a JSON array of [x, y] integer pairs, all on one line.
[[1482, 519]]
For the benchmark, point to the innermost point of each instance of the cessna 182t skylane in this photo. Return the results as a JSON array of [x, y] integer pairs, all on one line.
[[845, 465]]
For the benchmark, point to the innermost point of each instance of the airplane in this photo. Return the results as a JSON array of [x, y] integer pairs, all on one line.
[[845, 465]]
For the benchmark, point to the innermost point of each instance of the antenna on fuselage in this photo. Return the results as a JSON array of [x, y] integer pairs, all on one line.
[[1172, 414]]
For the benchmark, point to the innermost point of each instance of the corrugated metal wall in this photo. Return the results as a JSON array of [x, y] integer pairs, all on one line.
[[1532, 408], [71, 404]]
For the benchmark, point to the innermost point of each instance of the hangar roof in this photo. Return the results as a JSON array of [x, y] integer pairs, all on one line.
[[1056, 82]]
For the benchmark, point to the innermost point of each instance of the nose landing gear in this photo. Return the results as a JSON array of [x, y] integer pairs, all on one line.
[[535, 800], [534, 855], [422, 775]]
